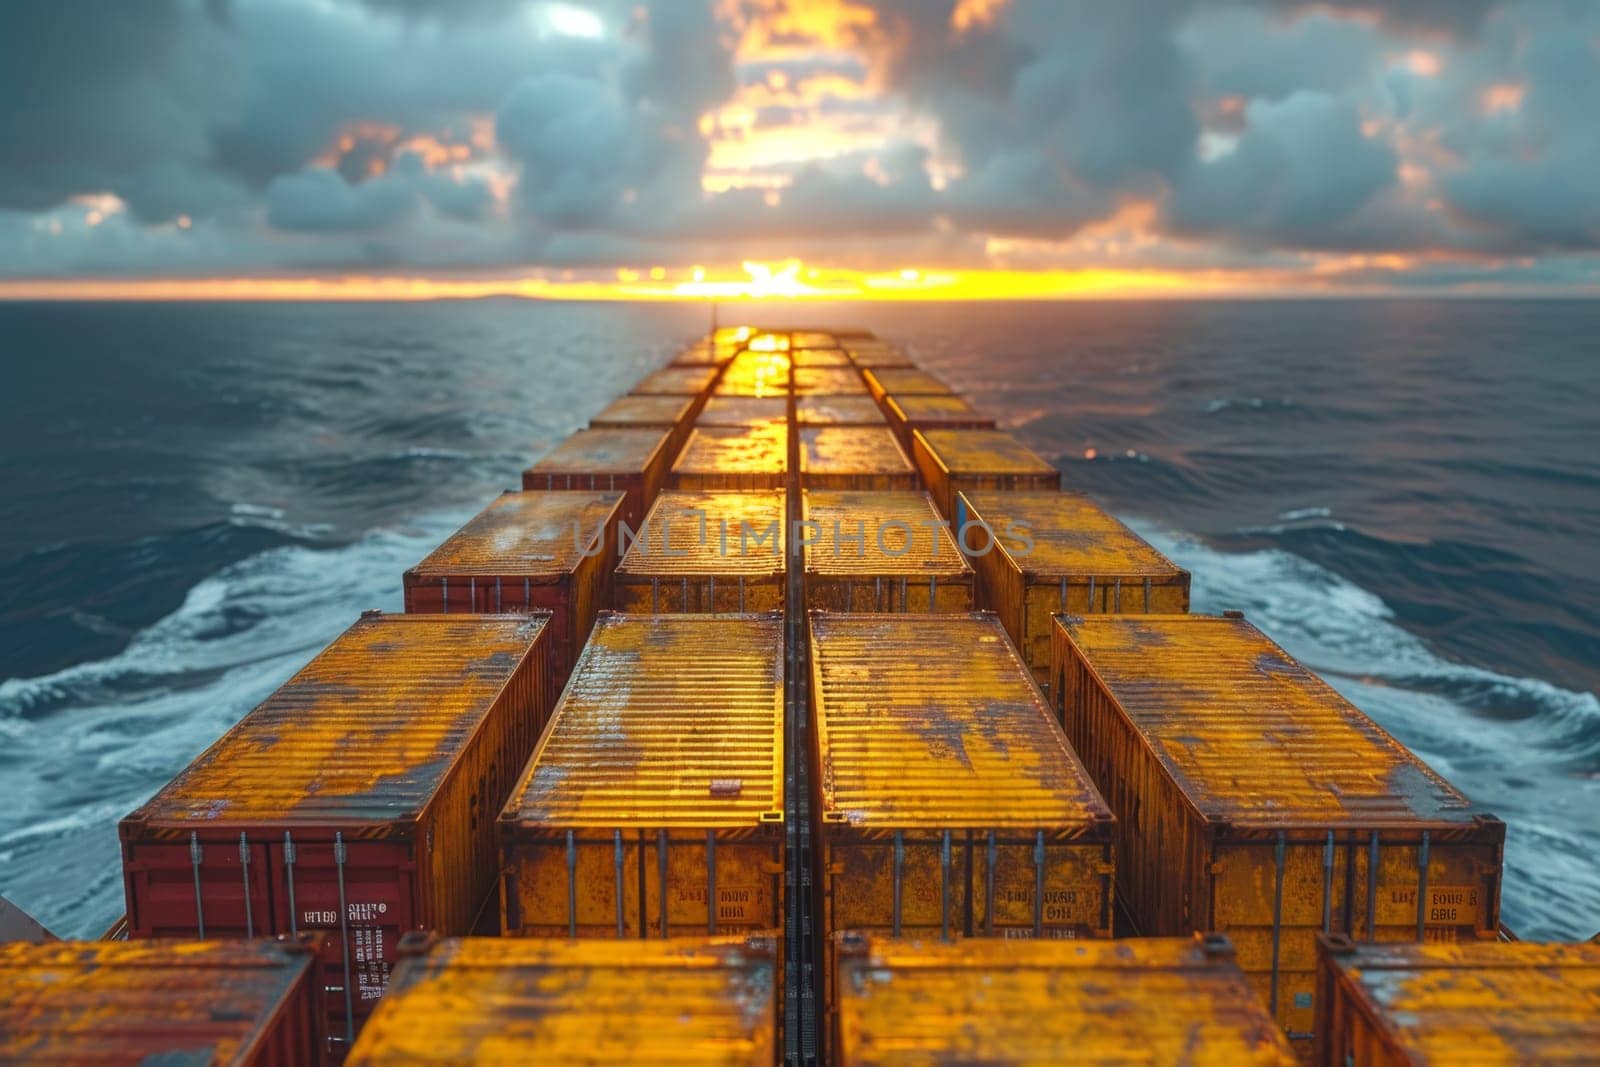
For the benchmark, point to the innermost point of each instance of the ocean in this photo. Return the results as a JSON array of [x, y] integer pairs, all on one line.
[[194, 498]]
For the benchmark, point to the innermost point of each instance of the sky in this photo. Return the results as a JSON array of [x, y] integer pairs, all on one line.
[[718, 148]]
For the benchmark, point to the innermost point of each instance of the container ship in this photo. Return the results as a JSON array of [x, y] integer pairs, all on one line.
[[792, 712]]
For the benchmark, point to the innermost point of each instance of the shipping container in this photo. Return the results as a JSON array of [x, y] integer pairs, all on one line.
[[525, 552], [253, 1003], [707, 552], [956, 461], [903, 381], [837, 411], [744, 411], [854, 457], [653, 806], [703, 353], [877, 354], [828, 381], [675, 414], [768, 341], [677, 381], [358, 799], [1146, 1001], [819, 357], [734, 336], [880, 552], [920, 411], [1483, 1003], [730, 457], [490, 1000], [816, 340], [755, 373], [1041, 553], [949, 802], [632, 461], [1255, 801]]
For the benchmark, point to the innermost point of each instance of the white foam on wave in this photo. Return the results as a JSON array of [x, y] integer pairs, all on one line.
[[1521, 748]]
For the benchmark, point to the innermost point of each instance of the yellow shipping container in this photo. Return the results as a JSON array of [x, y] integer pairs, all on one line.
[[1489, 1003], [1043, 1003], [837, 411], [756, 373], [707, 552], [854, 457], [675, 414], [949, 802], [488, 1000], [1041, 553], [872, 551], [653, 806], [632, 461], [677, 381], [744, 411], [816, 340], [1255, 801], [938, 411], [731, 457], [874, 353], [828, 381], [903, 381], [955, 461], [801, 357]]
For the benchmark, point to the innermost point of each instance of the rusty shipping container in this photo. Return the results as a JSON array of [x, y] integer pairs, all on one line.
[[828, 381], [525, 552], [706, 353], [1147, 1001], [675, 414], [801, 357], [358, 799], [1041, 553], [736, 458], [744, 411], [903, 381], [632, 461], [877, 354], [653, 806], [881, 552], [490, 1000], [837, 411], [920, 411], [822, 340], [854, 457], [707, 552], [677, 381], [1256, 801], [246, 1003], [1493, 1004], [756, 373], [949, 803], [956, 461]]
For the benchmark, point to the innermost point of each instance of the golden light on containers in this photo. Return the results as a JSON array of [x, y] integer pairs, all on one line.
[[881, 551], [954, 461], [1487, 1003], [653, 806], [854, 457], [903, 381], [356, 800], [527, 551], [948, 800], [736, 458], [1256, 801], [937, 411], [243, 1003], [753, 372], [871, 352], [486, 1000], [859, 410], [677, 381], [674, 414], [707, 552], [801, 357], [632, 461], [744, 411], [828, 381], [814, 340], [1038, 554], [1149, 1000]]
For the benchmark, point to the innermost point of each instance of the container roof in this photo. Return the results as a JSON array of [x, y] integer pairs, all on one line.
[[735, 450], [686, 381], [1067, 535], [710, 533], [851, 450], [837, 411], [828, 381], [541, 535], [604, 451], [1250, 735], [983, 452], [933, 721], [743, 411], [901, 534], [648, 410], [669, 720], [363, 734], [899, 381], [932, 406]]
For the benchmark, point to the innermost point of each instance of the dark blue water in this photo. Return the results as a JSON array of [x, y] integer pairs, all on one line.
[[193, 498]]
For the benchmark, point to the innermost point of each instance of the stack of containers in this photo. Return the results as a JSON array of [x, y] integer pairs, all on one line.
[[853, 457], [955, 461], [674, 414], [707, 552], [631, 461], [881, 552]]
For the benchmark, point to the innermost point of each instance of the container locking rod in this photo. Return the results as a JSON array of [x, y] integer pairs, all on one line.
[[1038, 883], [572, 884], [661, 866], [899, 875], [1327, 885], [344, 939], [244, 871], [1277, 919], [616, 859], [288, 877], [944, 888], [1372, 887], [711, 881], [1422, 886], [991, 855], [196, 853]]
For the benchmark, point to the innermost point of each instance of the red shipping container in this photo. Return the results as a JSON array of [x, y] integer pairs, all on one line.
[[358, 799]]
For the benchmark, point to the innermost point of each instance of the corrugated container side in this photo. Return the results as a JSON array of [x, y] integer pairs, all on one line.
[[675, 414], [854, 458], [358, 800], [837, 411], [634, 462], [883, 381], [1263, 821], [1485, 1003], [653, 806], [1151, 1000], [956, 461], [488, 1000], [707, 552], [881, 552], [528, 551], [734, 458], [1042, 554], [252, 1004], [949, 803]]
